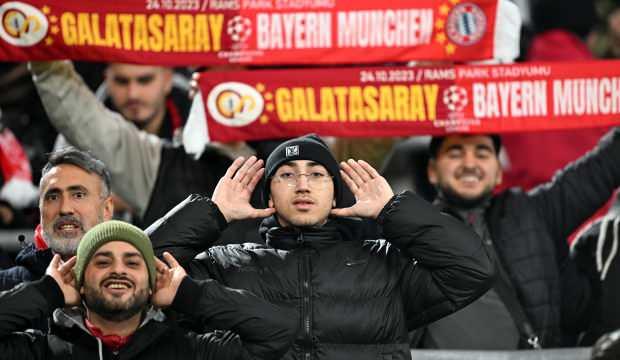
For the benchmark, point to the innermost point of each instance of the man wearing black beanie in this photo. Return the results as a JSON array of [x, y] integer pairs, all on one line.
[[356, 298]]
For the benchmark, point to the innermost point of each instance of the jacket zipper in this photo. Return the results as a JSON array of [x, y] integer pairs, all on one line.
[[307, 301]]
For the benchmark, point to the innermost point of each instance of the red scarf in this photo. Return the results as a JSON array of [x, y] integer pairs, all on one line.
[[113, 342]]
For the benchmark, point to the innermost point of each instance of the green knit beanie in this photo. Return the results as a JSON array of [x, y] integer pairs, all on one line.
[[113, 230]]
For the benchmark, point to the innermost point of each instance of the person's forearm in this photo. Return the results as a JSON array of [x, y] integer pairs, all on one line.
[[188, 229], [131, 155], [266, 330], [26, 303]]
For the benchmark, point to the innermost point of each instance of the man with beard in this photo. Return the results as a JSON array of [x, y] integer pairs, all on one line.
[[74, 195], [539, 298], [355, 296], [106, 303]]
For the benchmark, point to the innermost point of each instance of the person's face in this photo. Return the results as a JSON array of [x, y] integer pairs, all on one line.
[[302, 200], [71, 202], [116, 282], [466, 166], [139, 91]]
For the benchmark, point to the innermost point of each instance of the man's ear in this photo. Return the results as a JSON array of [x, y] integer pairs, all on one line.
[[108, 209], [168, 75], [431, 171], [500, 176]]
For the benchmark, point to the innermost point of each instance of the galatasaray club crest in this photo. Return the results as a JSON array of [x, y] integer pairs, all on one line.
[[235, 104], [466, 24], [22, 24]]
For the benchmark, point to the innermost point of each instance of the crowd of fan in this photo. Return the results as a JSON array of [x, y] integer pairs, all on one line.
[[555, 283]]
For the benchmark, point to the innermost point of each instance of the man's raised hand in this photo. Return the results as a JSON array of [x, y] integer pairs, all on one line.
[[62, 272], [233, 192], [169, 278], [372, 192]]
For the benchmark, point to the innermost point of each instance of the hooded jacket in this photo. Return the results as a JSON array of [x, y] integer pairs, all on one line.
[[355, 297], [259, 336]]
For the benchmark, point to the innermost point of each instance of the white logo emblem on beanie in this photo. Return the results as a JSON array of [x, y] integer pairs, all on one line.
[[292, 150]]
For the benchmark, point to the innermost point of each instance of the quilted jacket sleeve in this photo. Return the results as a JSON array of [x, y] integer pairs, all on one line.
[[261, 330], [19, 308], [446, 265]]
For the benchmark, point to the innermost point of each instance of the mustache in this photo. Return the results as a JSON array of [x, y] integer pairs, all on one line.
[[132, 102], [116, 277], [68, 219], [466, 171]]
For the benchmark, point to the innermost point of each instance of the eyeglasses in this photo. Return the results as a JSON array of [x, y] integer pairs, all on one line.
[[315, 178]]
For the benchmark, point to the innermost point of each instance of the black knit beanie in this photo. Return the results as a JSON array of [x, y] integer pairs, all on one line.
[[309, 147]]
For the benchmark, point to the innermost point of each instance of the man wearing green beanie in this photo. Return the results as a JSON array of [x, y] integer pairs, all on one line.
[[106, 303]]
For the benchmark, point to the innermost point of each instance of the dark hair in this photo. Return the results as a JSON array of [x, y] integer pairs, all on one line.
[[436, 141], [82, 159]]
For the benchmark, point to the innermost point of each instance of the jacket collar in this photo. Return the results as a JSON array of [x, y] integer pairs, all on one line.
[[68, 323], [315, 237]]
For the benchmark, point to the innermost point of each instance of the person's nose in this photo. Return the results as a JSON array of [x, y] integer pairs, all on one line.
[[66, 205], [302, 183], [469, 160], [133, 90]]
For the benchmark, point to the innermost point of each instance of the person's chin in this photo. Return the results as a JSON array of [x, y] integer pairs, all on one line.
[[307, 220]]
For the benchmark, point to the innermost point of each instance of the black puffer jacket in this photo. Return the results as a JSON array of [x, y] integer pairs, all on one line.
[[264, 330], [530, 231], [355, 298]]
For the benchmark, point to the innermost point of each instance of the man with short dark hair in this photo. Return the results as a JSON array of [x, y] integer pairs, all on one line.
[[150, 174], [538, 297], [356, 296], [106, 303], [74, 195]]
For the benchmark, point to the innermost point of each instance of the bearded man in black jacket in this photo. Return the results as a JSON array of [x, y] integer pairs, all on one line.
[[355, 297], [106, 304]]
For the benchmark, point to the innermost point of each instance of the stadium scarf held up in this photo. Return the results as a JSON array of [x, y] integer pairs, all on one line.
[[401, 101], [210, 32]]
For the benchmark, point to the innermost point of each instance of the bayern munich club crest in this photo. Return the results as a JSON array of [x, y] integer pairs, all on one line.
[[466, 24]]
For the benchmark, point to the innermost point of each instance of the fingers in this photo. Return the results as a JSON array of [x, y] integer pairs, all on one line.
[[55, 262], [163, 274], [369, 169], [172, 262], [350, 183], [342, 212], [160, 266], [359, 170], [232, 169], [67, 266], [261, 213], [245, 174], [355, 172], [255, 179]]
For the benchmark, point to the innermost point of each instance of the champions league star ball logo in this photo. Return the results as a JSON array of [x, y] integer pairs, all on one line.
[[235, 104], [455, 98], [466, 24], [239, 28], [22, 24]]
